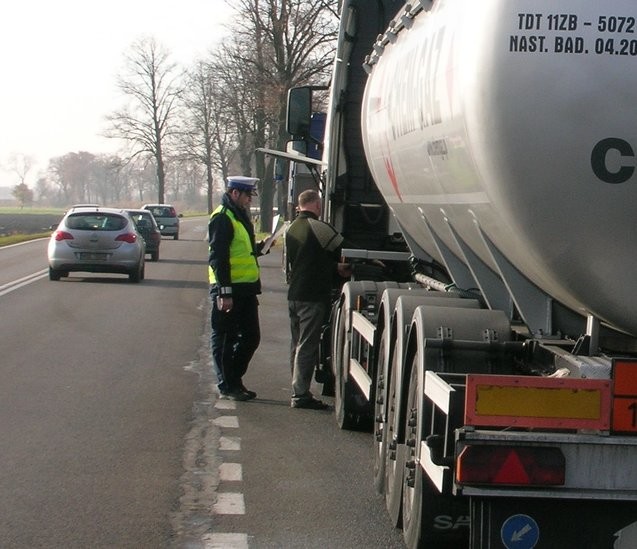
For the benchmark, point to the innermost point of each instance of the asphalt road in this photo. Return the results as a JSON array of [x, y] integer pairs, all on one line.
[[111, 434]]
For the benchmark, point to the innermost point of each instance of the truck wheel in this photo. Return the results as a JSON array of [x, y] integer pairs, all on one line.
[[380, 420], [427, 496], [353, 410], [412, 478], [422, 504], [394, 451], [345, 418], [380, 436]]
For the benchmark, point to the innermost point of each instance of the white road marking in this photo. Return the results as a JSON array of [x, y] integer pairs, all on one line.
[[230, 443], [15, 284], [230, 422], [229, 503], [230, 472], [225, 541]]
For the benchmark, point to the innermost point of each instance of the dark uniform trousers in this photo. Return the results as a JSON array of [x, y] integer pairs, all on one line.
[[235, 337]]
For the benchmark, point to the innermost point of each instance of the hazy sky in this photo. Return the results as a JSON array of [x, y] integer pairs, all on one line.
[[59, 61]]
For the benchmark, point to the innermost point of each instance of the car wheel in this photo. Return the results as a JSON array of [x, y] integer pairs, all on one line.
[[176, 237], [137, 274], [54, 274]]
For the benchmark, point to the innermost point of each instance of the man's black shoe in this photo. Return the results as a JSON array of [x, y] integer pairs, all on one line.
[[251, 394], [234, 395], [310, 404]]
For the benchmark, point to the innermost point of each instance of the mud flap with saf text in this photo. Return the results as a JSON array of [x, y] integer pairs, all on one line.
[[519, 523]]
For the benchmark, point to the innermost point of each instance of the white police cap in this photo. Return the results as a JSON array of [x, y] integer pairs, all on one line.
[[243, 183]]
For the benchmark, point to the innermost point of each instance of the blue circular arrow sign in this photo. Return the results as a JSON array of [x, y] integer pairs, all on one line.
[[520, 532]]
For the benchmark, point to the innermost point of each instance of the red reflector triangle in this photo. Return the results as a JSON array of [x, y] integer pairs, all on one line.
[[511, 471]]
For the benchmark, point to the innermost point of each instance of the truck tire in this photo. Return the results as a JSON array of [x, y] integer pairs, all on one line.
[[380, 420], [346, 417], [423, 503], [395, 312], [412, 478], [405, 305], [394, 452], [353, 410]]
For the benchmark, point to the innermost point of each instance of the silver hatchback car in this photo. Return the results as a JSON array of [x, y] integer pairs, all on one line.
[[96, 240]]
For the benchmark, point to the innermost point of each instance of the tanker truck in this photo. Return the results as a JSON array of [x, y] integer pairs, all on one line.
[[480, 155]]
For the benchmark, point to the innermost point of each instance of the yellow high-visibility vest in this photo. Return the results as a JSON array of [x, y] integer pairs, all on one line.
[[243, 263]]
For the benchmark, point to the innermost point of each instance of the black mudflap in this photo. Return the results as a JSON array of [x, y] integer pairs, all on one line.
[[517, 523], [445, 522]]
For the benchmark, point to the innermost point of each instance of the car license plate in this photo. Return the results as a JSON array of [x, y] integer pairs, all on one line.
[[92, 256]]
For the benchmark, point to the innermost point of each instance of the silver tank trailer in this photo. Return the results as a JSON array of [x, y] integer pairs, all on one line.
[[517, 119]]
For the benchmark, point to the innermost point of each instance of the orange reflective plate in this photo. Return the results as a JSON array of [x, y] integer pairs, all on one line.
[[523, 401], [625, 378], [625, 399]]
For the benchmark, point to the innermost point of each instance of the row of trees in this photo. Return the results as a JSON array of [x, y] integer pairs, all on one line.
[[110, 179], [188, 127]]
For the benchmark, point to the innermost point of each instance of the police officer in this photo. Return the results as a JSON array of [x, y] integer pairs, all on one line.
[[233, 273]]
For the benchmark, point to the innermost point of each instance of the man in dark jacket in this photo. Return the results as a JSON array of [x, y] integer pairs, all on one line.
[[313, 250], [233, 273]]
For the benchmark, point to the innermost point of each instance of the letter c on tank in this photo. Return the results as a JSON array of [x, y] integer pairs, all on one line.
[[598, 160]]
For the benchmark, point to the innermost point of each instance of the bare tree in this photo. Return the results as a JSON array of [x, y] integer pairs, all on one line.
[[278, 45], [189, 179], [73, 175], [140, 175], [208, 124], [21, 165], [109, 186], [43, 190], [239, 95], [152, 85]]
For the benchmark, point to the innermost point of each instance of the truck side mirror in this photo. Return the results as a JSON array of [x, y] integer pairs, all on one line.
[[299, 112]]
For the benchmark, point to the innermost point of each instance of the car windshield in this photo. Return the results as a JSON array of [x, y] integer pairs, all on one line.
[[95, 221], [163, 212]]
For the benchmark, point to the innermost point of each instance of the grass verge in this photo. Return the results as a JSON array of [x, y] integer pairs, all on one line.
[[17, 238]]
